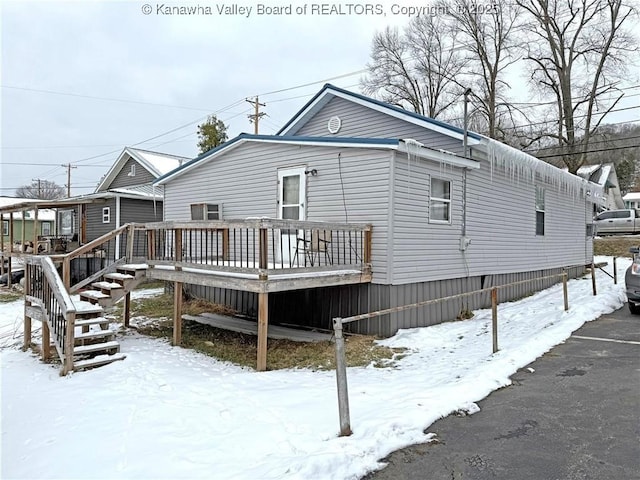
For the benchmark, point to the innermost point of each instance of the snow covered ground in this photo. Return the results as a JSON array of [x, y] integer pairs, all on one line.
[[168, 412]]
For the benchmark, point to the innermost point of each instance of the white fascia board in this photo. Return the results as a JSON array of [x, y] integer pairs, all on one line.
[[437, 156]]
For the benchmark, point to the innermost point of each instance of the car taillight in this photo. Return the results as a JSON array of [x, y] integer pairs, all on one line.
[[635, 267]]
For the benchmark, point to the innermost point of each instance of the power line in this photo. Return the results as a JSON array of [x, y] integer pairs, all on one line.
[[108, 99]]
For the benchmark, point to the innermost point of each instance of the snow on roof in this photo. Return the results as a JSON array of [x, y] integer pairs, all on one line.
[[159, 163], [631, 196], [598, 174]]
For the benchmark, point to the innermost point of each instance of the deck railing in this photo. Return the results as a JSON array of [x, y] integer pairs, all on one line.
[[45, 291], [258, 245]]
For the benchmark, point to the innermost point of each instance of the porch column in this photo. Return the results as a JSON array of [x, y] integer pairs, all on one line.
[[263, 324]]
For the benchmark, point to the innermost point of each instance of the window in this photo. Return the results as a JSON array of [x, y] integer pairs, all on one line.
[[46, 228], [539, 210], [132, 170], [5, 227], [440, 201], [66, 222], [106, 215], [206, 211]]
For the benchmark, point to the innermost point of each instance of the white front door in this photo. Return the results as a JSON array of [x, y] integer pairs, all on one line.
[[291, 206]]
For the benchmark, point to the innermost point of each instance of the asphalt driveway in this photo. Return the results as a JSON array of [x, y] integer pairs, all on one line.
[[576, 416]]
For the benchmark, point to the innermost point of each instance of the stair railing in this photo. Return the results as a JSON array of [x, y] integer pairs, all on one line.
[[45, 289], [95, 258]]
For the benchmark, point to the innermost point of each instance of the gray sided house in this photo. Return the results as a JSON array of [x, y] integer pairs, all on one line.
[[443, 222], [125, 194]]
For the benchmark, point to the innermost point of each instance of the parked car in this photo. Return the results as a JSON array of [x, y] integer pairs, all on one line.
[[16, 276], [632, 282], [617, 221]]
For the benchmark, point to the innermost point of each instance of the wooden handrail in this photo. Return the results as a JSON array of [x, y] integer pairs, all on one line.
[[95, 243]]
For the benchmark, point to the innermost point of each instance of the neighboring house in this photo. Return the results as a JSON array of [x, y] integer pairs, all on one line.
[[605, 176], [124, 195], [632, 200], [443, 222], [24, 221]]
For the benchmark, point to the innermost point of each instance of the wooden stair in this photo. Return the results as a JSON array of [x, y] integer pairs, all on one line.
[[94, 343]]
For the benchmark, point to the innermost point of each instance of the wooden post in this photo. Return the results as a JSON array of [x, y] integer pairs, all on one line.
[[494, 317], [46, 340], [66, 272], [11, 240], [131, 235], [23, 233], [35, 232], [615, 272], [127, 309], [225, 244], [263, 325], [68, 343], [151, 244], [28, 270], [593, 278], [367, 245], [341, 379], [264, 249], [2, 247], [565, 291], [177, 313]]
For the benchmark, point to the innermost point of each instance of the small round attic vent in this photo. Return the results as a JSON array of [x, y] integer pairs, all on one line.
[[334, 124]]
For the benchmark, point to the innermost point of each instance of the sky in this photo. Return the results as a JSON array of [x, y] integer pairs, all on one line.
[[170, 412], [83, 79]]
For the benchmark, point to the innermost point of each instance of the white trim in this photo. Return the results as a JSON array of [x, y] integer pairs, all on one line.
[[442, 200], [117, 252], [321, 101]]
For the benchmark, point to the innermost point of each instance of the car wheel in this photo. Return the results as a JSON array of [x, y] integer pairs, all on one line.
[[634, 309]]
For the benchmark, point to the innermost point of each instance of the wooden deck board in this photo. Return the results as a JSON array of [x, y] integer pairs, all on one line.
[[251, 328]]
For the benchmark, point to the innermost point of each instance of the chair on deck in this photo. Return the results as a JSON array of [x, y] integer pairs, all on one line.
[[312, 249]]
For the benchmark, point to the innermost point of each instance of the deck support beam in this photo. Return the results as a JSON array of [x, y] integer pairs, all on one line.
[[177, 313], [263, 325], [46, 340]]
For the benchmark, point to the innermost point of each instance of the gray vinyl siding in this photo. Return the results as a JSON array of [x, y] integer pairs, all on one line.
[[245, 182], [139, 211], [123, 179], [362, 122], [95, 227]]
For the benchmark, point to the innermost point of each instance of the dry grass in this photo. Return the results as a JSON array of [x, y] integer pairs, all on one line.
[[7, 295], [241, 349], [617, 246]]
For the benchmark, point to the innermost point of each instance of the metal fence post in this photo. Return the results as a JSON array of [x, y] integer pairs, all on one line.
[[593, 278], [341, 377], [494, 317], [615, 272], [565, 292]]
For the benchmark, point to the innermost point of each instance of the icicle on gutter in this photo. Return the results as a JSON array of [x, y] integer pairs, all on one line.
[[520, 166], [413, 147]]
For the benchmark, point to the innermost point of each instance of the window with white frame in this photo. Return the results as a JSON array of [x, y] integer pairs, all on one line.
[[206, 211], [5, 227], [106, 215], [45, 229], [540, 210], [132, 170], [440, 201]]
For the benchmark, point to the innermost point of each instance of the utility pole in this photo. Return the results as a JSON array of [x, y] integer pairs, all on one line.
[[68, 166], [255, 117], [39, 186]]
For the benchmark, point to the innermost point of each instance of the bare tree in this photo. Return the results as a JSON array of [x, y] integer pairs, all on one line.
[[41, 189], [416, 69], [488, 37], [578, 55]]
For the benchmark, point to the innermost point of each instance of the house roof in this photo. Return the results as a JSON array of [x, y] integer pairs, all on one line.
[[156, 163], [408, 146], [601, 174], [631, 197], [331, 91], [14, 204]]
